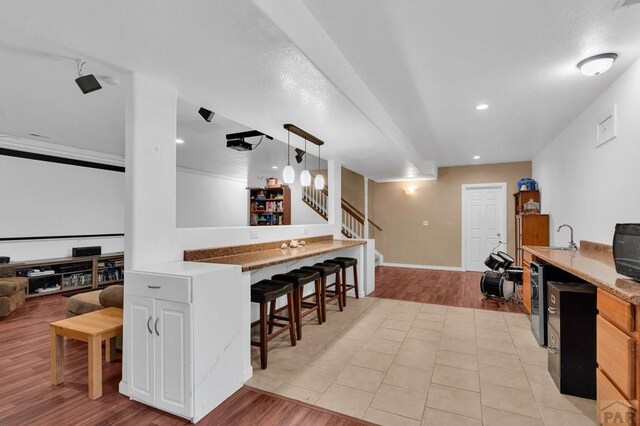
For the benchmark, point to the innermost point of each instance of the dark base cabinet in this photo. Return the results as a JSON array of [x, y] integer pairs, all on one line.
[[572, 337]]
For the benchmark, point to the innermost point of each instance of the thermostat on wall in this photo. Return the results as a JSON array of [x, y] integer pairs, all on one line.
[[606, 129]]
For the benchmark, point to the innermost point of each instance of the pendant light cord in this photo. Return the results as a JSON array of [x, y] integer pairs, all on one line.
[[305, 152], [288, 148]]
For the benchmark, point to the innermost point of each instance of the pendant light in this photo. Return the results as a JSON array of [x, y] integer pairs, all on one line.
[[288, 174], [319, 180], [305, 176]]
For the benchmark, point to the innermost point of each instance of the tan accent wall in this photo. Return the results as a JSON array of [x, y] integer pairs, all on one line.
[[405, 240], [353, 189]]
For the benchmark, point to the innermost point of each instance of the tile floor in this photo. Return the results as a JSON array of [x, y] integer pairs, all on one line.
[[406, 363]]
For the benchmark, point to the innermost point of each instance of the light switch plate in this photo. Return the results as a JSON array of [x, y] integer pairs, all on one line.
[[606, 128], [253, 235], [305, 231], [425, 223]]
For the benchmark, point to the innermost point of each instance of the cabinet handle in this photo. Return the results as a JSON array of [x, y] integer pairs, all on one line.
[[552, 310], [149, 325], [552, 350], [156, 326], [154, 286]]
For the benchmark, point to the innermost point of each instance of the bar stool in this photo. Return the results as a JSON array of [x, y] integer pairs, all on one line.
[[299, 278], [326, 270], [268, 291], [346, 263]]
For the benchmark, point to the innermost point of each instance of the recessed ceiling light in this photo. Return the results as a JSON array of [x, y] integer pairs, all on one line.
[[476, 157], [482, 107], [179, 141], [597, 64], [274, 167]]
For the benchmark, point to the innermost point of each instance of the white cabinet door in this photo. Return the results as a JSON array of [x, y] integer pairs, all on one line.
[[142, 342], [173, 357]]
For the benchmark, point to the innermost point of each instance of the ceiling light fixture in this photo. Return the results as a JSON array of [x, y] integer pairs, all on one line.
[[87, 83], [476, 157], [305, 176], [409, 190], [597, 64], [318, 182], [288, 174], [179, 141], [206, 114], [482, 107]]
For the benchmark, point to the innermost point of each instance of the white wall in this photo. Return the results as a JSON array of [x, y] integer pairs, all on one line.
[[54, 248], [592, 188], [208, 201]]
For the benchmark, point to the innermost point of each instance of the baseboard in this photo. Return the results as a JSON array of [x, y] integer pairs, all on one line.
[[441, 268], [247, 374]]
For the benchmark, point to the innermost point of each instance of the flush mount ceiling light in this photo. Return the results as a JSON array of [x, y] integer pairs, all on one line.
[[305, 176], [87, 83], [179, 141], [206, 114], [597, 64], [318, 182], [482, 107], [476, 157]]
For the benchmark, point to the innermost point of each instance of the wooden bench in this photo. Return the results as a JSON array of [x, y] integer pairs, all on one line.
[[94, 328]]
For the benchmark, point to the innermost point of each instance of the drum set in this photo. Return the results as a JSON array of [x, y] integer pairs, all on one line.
[[500, 281]]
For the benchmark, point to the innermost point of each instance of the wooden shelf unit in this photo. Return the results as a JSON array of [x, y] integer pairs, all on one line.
[[72, 273], [531, 229], [269, 206]]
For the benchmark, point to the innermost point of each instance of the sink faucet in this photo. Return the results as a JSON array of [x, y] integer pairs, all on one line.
[[572, 245]]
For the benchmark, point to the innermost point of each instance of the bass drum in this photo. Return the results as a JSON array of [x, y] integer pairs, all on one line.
[[493, 262], [494, 284], [507, 260]]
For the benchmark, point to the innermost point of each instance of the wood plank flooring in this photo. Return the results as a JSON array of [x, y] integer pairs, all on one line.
[[451, 288], [27, 397]]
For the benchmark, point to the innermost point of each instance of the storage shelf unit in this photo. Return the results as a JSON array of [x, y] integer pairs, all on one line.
[[531, 229], [71, 273], [269, 206]]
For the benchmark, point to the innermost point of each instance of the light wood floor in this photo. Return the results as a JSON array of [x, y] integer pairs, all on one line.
[[28, 398], [451, 288]]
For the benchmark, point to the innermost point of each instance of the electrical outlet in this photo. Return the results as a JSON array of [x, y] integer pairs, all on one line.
[[253, 235], [425, 223], [305, 231]]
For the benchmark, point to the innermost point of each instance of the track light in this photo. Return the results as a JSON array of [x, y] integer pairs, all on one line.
[[299, 155], [206, 114], [87, 83]]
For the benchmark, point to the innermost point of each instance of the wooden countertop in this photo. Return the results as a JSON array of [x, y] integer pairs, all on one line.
[[253, 260], [593, 266]]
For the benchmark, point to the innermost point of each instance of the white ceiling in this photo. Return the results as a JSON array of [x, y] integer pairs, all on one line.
[[390, 86]]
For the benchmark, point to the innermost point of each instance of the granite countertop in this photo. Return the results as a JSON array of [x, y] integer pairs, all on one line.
[[253, 260], [593, 266]]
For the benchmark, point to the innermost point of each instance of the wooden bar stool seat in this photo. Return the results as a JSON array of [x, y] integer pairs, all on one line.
[[299, 278], [326, 270], [345, 263], [268, 291]]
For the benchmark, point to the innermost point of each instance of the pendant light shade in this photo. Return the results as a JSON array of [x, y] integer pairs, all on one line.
[[288, 174], [305, 176]]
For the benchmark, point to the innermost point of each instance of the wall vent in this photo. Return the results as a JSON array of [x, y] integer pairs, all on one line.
[[626, 3]]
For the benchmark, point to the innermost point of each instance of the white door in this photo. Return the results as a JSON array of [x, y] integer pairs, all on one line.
[[142, 342], [484, 222], [173, 357]]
